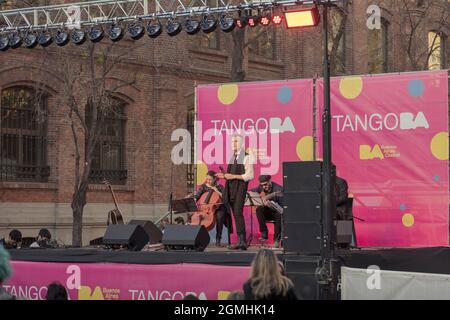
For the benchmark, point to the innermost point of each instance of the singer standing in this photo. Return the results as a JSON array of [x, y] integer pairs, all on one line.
[[239, 173]]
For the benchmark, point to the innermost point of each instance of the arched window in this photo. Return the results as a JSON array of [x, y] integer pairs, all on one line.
[[23, 131], [108, 159]]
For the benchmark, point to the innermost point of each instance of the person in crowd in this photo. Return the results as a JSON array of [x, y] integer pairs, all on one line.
[[56, 291], [236, 295], [179, 220], [43, 239], [266, 281], [5, 273], [190, 297], [14, 240]]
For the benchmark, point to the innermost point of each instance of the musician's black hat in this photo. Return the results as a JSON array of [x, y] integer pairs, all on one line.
[[264, 178]]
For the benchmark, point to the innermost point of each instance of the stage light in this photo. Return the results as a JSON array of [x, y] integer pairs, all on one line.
[[30, 40], [15, 41], [252, 21], [78, 37], [4, 42], [302, 18], [45, 38], [226, 23], [277, 19], [265, 21], [154, 29], [95, 34], [136, 30], [115, 32], [62, 38], [208, 23], [191, 26], [173, 27], [241, 22]]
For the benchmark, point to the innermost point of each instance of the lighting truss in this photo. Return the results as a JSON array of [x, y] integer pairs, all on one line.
[[107, 12]]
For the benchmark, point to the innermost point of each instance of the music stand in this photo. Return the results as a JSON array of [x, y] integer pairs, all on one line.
[[185, 205]]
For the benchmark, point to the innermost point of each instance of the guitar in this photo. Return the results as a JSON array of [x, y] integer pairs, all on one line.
[[115, 215]]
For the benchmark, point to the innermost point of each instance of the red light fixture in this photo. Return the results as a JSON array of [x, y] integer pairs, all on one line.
[[302, 18], [252, 21], [277, 19], [265, 21]]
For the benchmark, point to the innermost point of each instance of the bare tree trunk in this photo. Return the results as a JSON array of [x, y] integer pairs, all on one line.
[[237, 55], [78, 203]]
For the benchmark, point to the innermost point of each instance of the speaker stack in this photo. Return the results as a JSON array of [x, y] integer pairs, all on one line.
[[303, 230]]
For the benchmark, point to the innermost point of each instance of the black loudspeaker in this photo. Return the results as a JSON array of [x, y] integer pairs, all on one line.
[[302, 206], [132, 236], [302, 237], [302, 272], [185, 237], [302, 176], [153, 232], [345, 233]]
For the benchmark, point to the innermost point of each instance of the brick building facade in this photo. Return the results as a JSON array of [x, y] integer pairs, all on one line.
[[162, 99]]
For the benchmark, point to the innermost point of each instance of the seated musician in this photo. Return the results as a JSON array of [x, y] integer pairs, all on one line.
[[267, 213], [222, 216]]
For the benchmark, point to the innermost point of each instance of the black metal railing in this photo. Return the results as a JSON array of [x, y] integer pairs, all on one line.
[[118, 177], [24, 173]]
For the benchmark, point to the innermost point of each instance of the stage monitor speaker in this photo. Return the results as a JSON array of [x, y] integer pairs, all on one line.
[[302, 206], [345, 236], [153, 232], [302, 237], [132, 236], [185, 237]]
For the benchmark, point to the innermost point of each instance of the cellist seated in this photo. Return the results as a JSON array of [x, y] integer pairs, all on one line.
[[222, 216]]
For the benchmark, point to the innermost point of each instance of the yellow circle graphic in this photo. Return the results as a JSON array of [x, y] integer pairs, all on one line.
[[351, 87], [202, 170], [305, 148], [439, 146], [408, 220], [227, 93]]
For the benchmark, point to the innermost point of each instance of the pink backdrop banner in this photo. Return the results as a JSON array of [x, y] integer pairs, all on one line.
[[275, 117], [104, 281], [390, 142]]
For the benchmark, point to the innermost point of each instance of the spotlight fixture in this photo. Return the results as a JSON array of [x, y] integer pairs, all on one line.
[[78, 36], [265, 20], [191, 26], [61, 38], [15, 41], [30, 40], [115, 32], [173, 27], [95, 34], [208, 23], [277, 19], [45, 38], [154, 29], [241, 21], [4, 42], [226, 23], [252, 21], [136, 30]]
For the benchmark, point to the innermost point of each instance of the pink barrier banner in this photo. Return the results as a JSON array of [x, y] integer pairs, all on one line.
[[390, 142], [275, 117], [104, 281]]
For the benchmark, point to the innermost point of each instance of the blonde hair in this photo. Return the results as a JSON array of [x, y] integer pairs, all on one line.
[[265, 276]]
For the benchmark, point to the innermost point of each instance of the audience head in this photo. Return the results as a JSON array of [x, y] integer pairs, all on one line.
[[5, 266], [15, 238], [44, 234], [190, 297], [265, 276], [179, 220], [236, 295], [56, 291], [281, 268]]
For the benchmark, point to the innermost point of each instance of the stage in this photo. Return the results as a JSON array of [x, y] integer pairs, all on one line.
[[94, 273]]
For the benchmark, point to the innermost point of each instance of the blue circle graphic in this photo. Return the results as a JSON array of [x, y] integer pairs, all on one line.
[[402, 207], [416, 88], [285, 95]]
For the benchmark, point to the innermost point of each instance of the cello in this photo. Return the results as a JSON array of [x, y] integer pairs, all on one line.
[[209, 202]]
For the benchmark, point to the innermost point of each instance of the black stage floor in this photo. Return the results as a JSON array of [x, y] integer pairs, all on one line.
[[426, 260]]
